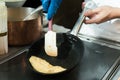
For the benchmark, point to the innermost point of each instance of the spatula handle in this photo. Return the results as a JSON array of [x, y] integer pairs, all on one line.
[[50, 25]]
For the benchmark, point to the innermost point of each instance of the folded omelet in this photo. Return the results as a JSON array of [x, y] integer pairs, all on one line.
[[43, 66]]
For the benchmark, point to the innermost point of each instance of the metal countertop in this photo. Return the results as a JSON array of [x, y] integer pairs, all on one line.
[[97, 60]]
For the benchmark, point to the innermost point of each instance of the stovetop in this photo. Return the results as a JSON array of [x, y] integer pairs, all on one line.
[[95, 64]]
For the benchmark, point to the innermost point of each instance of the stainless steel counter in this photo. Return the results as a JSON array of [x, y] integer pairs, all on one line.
[[96, 62], [99, 56], [12, 52]]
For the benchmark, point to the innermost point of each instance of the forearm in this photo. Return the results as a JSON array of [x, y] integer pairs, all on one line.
[[115, 13]]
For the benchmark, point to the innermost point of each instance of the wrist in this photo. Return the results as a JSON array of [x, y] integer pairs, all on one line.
[[115, 13]]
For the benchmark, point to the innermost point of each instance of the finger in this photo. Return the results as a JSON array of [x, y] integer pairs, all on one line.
[[90, 21], [45, 4], [92, 12], [95, 19]]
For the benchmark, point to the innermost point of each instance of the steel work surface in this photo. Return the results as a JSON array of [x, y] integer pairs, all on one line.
[[96, 61]]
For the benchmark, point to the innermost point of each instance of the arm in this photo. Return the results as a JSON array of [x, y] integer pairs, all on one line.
[[50, 6], [115, 13]]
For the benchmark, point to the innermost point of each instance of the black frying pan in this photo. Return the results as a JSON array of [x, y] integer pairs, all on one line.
[[70, 49]]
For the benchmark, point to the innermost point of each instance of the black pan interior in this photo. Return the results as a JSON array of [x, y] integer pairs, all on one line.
[[70, 50]]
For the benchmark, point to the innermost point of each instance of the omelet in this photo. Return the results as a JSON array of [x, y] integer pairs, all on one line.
[[43, 66]]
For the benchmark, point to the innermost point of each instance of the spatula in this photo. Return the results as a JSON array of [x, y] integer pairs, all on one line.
[[50, 41]]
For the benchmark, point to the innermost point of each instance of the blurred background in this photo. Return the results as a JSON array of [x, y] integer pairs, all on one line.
[[69, 11], [32, 3], [66, 15]]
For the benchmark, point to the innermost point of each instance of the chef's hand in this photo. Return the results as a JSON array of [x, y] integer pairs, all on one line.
[[99, 14], [50, 6]]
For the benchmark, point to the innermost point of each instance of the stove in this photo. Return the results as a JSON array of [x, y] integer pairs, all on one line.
[[99, 62]]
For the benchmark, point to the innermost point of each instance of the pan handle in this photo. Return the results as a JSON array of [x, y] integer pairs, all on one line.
[[78, 24], [37, 9]]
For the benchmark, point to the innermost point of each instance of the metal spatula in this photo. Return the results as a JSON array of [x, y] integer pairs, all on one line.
[[50, 41]]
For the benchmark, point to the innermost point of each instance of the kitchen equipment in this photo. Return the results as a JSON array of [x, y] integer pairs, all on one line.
[[70, 48], [33, 12], [95, 64], [50, 41], [14, 3], [23, 32], [3, 29], [50, 47], [70, 51], [99, 56]]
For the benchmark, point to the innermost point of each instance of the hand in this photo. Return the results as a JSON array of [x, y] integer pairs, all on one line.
[[50, 6], [99, 15]]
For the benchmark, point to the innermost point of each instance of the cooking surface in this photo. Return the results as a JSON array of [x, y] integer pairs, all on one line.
[[96, 61]]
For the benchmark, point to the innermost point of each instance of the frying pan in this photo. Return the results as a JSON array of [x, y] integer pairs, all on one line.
[[70, 49]]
